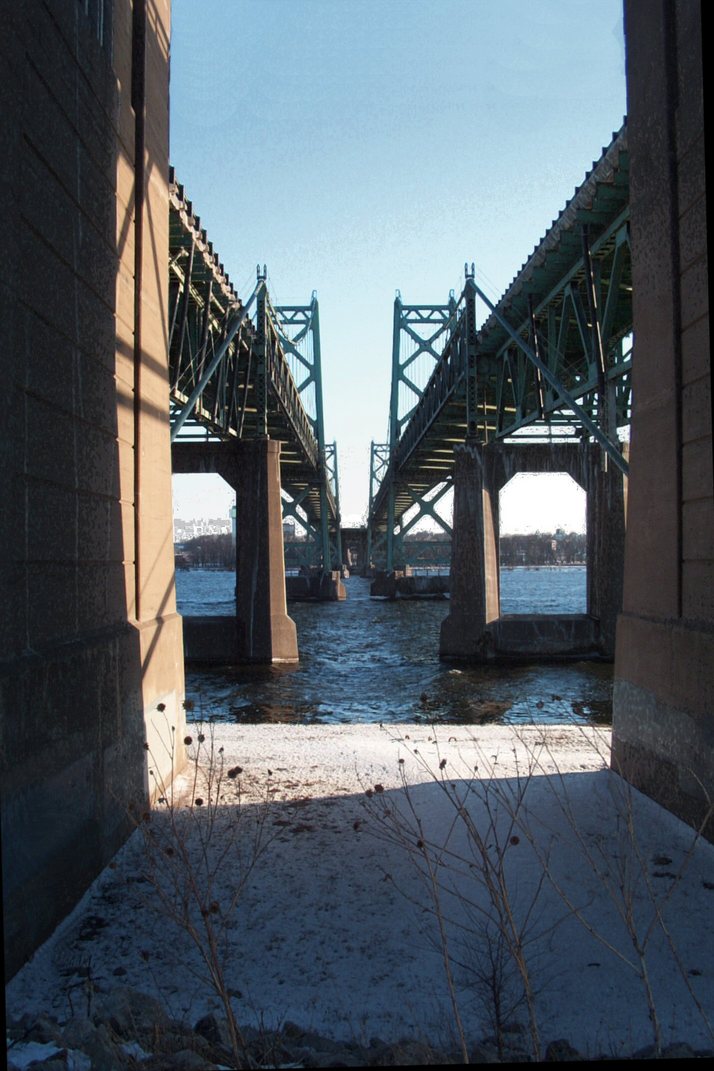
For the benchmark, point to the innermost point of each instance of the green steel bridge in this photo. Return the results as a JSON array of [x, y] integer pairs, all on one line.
[[551, 361], [244, 370]]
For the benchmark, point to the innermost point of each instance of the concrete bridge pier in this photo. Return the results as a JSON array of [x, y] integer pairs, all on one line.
[[606, 521], [265, 632], [475, 597], [316, 585], [261, 631], [475, 629]]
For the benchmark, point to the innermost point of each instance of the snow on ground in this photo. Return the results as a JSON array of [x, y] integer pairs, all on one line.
[[335, 929]]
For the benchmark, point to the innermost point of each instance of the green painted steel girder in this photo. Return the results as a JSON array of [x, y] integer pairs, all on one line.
[[236, 372], [553, 354]]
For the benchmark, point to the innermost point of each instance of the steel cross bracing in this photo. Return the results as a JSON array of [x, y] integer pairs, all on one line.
[[419, 335], [238, 371], [553, 358], [299, 331]]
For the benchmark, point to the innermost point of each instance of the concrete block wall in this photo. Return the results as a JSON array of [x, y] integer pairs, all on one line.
[[663, 730], [90, 641]]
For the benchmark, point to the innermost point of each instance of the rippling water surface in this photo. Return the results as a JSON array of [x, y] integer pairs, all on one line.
[[372, 660]]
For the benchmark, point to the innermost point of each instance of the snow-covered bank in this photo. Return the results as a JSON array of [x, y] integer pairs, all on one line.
[[335, 931]]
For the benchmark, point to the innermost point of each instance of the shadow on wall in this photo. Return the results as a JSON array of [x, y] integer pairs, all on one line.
[[91, 644]]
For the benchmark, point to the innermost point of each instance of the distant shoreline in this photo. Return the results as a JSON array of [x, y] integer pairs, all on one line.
[[548, 565]]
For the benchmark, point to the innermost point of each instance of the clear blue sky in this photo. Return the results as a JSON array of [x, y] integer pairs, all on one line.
[[358, 147]]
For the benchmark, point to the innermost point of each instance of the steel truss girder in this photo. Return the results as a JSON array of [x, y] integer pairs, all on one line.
[[444, 381], [585, 349], [406, 497], [308, 551], [304, 346], [295, 505], [229, 367], [564, 363], [427, 552], [379, 546], [307, 321], [438, 320]]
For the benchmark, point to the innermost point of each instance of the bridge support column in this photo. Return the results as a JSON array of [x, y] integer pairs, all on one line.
[[474, 630], [663, 701], [606, 547], [262, 632], [475, 600], [265, 632]]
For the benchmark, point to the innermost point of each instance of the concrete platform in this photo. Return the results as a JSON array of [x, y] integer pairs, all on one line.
[[327, 587], [210, 639], [542, 638], [395, 586]]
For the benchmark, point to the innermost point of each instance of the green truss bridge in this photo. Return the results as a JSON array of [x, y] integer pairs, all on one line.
[[248, 371], [551, 362]]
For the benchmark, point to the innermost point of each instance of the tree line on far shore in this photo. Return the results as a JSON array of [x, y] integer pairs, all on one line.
[[543, 548], [532, 548], [206, 552]]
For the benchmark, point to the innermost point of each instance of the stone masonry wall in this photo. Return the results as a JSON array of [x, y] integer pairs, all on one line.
[[90, 642], [664, 672]]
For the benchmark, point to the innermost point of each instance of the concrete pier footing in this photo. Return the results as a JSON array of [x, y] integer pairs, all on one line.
[[316, 586], [219, 640], [475, 631], [403, 584]]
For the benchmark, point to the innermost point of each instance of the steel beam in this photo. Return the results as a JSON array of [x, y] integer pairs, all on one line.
[[611, 449]]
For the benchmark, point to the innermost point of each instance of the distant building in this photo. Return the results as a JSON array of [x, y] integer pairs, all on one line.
[[185, 530]]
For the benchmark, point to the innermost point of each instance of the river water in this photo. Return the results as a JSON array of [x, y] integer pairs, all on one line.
[[375, 660]]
